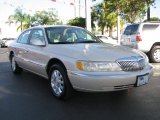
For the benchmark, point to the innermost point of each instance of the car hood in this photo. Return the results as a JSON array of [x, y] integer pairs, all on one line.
[[95, 51]]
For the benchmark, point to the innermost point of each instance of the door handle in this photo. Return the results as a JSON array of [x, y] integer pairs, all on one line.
[[22, 52], [25, 51]]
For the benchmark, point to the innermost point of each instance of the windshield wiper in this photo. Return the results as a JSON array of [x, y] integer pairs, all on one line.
[[87, 41], [63, 43]]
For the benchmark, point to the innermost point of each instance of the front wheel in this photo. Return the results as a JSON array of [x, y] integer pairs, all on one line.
[[59, 82], [14, 66], [155, 54]]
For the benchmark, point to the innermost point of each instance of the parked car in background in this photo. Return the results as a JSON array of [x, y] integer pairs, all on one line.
[[1, 43], [73, 58], [145, 37], [106, 39], [7, 41]]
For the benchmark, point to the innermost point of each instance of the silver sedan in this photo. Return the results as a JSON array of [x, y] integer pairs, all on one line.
[[73, 58]]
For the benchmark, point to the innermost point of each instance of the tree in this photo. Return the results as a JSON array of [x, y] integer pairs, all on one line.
[[104, 17], [9, 21], [29, 21], [39, 18], [18, 17], [106, 12], [77, 22], [153, 19], [46, 18], [133, 9]]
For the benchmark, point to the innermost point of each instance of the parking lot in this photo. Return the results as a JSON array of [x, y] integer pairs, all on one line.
[[27, 97]]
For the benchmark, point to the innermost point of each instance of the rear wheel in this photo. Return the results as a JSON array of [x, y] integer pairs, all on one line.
[[14, 66], [155, 54], [59, 82]]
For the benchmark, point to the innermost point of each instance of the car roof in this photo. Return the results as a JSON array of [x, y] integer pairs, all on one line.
[[151, 23], [46, 26], [102, 35]]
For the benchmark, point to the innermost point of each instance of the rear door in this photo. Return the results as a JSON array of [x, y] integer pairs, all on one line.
[[151, 33], [21, 49]]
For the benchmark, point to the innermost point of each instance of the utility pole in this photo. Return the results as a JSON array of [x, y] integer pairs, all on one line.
[[75, 9], [88, 14], [79, 8], [118, 28], [148, 14]]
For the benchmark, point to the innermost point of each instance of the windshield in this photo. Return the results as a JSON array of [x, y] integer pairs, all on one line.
[[65, 35]]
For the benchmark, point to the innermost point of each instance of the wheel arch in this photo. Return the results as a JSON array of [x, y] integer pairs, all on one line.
[[10, 54], [150, 54], [54, 61], [155, 44]]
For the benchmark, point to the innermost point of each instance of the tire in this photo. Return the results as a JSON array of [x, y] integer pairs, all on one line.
[[14, 66], [155, 54], [59, 83]]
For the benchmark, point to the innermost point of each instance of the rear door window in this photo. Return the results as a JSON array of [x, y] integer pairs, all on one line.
[[150, 28], [131, 29], [24, 37]]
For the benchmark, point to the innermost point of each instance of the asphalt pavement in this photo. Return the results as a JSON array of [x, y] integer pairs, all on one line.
[[27, 97]]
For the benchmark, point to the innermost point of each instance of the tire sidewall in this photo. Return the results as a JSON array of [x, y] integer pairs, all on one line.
[[65, 80], [152, 54], [17, 69], [14, 70]]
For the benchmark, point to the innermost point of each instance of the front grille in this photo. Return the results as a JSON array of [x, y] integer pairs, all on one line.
[[122, 87], [132, 63]]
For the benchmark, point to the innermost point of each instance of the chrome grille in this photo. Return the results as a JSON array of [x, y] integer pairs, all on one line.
[[122, 87], [132, 63]]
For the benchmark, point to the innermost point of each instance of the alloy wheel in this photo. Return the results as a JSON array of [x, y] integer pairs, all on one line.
[[156, 54], [13, 64], [57, 82]]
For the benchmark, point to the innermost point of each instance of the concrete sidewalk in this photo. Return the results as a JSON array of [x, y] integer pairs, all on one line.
[[156, 67]]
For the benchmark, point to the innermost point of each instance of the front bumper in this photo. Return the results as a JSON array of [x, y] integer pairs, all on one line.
[[101, 82]]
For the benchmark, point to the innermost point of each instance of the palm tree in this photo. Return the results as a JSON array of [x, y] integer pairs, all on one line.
[[45, 18], [100, 15], [29, 21], [18, 17], [105, 17], [9, 21], [25, 20]]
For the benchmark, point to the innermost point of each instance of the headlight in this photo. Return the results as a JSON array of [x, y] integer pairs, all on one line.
[[92, 66], [143, 55]]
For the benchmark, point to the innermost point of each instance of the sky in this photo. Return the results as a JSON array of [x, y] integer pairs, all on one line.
[[155, 10], [64, 8], [30, 6]]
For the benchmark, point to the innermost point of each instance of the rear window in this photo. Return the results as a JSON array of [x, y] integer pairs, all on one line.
[[131, 29]]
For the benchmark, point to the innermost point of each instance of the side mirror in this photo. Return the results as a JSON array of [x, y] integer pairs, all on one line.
[[37, 42]]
